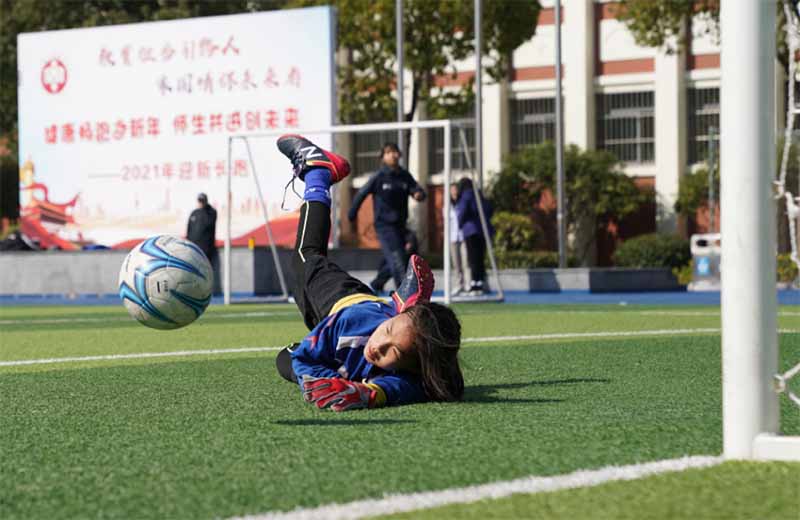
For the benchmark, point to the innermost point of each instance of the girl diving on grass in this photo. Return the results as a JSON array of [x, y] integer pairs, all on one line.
[[362, 352]]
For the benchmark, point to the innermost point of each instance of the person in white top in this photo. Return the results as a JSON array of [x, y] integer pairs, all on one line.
[[458, 249]]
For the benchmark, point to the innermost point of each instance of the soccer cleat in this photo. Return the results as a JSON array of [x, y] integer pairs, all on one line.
[[417, 285], [477, 289], [305, 156]]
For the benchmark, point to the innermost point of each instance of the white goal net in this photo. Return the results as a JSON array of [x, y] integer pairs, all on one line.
[[782, 190]]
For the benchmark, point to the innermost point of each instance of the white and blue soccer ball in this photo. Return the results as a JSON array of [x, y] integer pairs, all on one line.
[[166, 282]]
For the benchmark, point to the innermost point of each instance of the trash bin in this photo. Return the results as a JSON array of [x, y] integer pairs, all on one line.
[[706, 252]]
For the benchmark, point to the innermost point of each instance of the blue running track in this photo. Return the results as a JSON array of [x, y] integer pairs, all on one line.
[[785, 297]]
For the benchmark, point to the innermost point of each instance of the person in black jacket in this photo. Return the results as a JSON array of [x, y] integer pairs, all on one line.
[[390, 188], [202, 230]]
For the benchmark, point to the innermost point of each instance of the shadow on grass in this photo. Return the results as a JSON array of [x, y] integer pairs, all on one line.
[[485, 393], [340, 422]]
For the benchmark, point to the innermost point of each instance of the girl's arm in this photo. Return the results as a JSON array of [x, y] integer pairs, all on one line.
[[340, 394], [307, 366], [400, 389], [314, 357]]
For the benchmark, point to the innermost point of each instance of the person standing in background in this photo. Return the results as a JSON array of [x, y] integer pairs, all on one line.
[[458, 250], [390, 187], [202, 231], [470, 224]]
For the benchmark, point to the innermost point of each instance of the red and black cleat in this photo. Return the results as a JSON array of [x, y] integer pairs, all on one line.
[[305, 156], [417, 285]]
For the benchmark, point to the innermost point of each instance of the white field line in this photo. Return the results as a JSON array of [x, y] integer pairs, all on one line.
[[114, 357], [627, 311], [49, 321], [574, 335], [391, 504], [697, 313], [681, 313], [483, 339]]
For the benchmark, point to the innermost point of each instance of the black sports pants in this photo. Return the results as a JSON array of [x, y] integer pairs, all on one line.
[[476, 254]]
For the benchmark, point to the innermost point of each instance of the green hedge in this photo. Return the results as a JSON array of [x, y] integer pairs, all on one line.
[[514, 242], [530, 259], [513, 232], [787, 269], [653, 250], [684, 273]]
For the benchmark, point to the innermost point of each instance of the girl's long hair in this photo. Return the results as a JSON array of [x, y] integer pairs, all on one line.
[[437, 341]]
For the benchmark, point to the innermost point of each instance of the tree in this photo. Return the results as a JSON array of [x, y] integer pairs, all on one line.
[[437, 33], [661, 23], [597, 190], [18, 16]]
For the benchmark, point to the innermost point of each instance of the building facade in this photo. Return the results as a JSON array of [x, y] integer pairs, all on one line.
[[656, 111]]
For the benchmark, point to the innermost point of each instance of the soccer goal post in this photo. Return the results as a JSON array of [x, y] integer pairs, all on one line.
[[445, 124], [750, 404]]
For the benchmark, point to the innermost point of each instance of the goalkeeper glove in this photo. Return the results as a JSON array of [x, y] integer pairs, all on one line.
[[340, 394]]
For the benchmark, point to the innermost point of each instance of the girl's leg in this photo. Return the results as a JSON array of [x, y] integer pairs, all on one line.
[[313, 230], [283, 362], [320, 283]]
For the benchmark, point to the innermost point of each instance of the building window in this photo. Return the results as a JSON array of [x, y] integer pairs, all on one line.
[[625, 126], [533, 121], [703, 107], [367, 148], [458, 159]]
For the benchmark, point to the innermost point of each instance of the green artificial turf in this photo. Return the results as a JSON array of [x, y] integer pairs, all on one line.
[[730, 491], [221, 435]]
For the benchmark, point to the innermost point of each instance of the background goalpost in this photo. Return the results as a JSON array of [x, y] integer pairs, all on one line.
[[445, 124], [750, 403]]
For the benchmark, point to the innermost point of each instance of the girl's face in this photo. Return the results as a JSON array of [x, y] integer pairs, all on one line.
[[391, 346]]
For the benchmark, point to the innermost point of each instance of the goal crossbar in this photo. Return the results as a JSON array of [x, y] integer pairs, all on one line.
[[445, 124]]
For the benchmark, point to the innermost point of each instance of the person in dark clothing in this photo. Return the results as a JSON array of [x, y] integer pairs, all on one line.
[[470, 224], [384, 273], [390, 188], [202, 230]]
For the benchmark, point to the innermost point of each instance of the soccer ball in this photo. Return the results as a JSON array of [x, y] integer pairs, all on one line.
[[165, 282]]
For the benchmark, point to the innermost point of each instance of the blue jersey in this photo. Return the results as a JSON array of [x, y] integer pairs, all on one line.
[[335, 348]]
